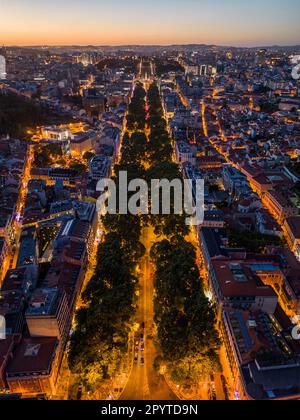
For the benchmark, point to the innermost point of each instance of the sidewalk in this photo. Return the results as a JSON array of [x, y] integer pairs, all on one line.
[[199, 392]]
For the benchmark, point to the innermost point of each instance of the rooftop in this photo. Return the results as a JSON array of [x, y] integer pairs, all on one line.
[[75, 228], [237, 279], [43, 302], [17, 279], [213, 241], [33, 356], [27, 251]]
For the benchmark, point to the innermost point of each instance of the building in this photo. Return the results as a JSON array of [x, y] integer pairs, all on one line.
[[28, 252], [191, 68], [73, 252], [94, 102], [236, 285], [85, 211], [209, 162], [291, 229], [194, 175], [266, 224], [12, 305], [279, 205], [213, 219], [233, 179], [48, 314], [7, 216], [110, 136], [56, 133], [34, 367], [23, 279], [213, 243], [269, 273], [185, 153], [74, 229], [6, 354], [83, 142], [267, 181], [99, 167], [259, 352], [64, 174]]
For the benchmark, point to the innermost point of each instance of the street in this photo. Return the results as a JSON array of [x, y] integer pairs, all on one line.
[[144, 382]]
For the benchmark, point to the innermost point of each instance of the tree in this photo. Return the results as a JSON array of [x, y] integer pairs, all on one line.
[[18, 114], [134, 148], [45, 155]]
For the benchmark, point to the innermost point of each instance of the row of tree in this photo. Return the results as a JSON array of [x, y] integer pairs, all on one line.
[[127, 65], [163, 66], [160, 149], [136, 117], [100, 340], [185, 319], [162, 166]]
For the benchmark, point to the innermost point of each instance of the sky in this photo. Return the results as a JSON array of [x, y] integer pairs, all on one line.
[[120, 22]]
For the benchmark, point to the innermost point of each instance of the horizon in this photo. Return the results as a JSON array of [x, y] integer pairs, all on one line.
[[44, 45]]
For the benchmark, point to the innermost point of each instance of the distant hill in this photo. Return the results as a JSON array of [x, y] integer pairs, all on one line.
[[158, 46]]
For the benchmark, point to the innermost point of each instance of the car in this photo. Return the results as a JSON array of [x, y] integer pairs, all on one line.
[[213, 385], [142, 337], [142, 348], [136, 358], [142, 361], [143, 325]]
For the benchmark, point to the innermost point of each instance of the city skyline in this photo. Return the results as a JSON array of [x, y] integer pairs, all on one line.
[[31, 22]]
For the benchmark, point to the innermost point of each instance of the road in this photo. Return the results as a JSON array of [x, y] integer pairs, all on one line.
[[146, 69], [144, 383], [17, 224]]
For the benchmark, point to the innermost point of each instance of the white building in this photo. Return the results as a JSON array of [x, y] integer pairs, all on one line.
[[55, 133]]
